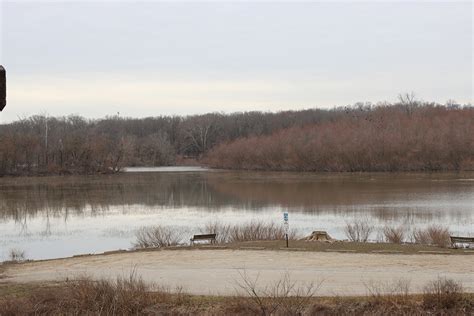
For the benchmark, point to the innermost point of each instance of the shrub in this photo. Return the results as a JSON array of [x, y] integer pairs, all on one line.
[[284, 297], [394, 235], [122, 296], [434, 235], [439, 236], [421, 236], [16, 255], [358, 231], [259, 231], [254, 230], [442, 293], [395, 292], [158, 236], [221, 230]]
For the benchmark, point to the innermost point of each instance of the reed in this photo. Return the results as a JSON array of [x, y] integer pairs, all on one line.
[[435, 235]]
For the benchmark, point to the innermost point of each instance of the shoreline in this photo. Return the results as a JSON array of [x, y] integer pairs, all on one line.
[[346, 247], [205, 168]]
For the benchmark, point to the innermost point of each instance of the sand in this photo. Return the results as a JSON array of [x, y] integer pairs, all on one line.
[[217, 272]]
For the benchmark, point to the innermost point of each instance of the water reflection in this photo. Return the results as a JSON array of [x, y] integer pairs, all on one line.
[[54, 210], [386, 196]]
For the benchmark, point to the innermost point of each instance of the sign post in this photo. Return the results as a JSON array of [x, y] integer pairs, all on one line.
[[286, 225], [3, 88]]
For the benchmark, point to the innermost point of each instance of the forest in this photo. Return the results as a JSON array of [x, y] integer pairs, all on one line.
[[405, 136], [382, 139]]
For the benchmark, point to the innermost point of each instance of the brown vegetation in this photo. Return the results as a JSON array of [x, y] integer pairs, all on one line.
[[73, 144], [283, 298], [395, 235], [251, 231], [386, 138], [163, 236], [433, 235], [16, 255], [157, 237], [123, 296], [132, 296], [359, 230], [406, 136], [442, 293]]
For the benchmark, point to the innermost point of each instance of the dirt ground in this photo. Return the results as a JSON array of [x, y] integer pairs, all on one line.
[[217, 272]]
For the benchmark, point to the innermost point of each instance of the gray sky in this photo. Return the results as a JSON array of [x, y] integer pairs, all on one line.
[[157, 58]]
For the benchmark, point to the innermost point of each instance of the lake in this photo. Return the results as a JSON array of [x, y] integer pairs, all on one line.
[[50, 217]]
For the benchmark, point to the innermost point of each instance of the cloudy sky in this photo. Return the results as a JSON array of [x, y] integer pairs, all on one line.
[[159, 58]]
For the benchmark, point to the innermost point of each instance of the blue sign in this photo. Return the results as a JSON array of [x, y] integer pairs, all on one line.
[[285, 216]]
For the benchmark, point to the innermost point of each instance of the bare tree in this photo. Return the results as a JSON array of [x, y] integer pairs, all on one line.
[[408, 100], [200, 132], [358, 138]]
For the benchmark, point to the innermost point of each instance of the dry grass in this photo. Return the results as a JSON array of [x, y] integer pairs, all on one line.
[[163, 236], [398, 289], [442, 293], [283, 298], [123, 296], [129, 295], [356, 247], [421, 236], [133, 296], [158, 236], [394, 235], [251, 231], [358, 231], [221, 230], [434, 235], [16, 255]]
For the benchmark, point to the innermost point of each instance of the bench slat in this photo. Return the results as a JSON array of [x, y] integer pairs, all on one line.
[[462, 239], [211, 237], [205, 236]]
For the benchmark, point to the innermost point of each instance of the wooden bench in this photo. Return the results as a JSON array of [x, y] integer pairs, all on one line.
[[210, 237], [461, 240]]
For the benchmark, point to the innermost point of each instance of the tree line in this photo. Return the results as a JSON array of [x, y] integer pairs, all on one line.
[[408, 135], [401, 137], [57, 145]]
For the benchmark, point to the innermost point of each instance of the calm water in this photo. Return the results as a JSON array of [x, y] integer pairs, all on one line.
[[52, 217]]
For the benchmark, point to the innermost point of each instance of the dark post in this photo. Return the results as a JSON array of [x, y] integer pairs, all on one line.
[[3, 88], [286, 225]]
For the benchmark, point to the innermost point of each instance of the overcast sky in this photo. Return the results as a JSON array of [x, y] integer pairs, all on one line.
[[158, 58]]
